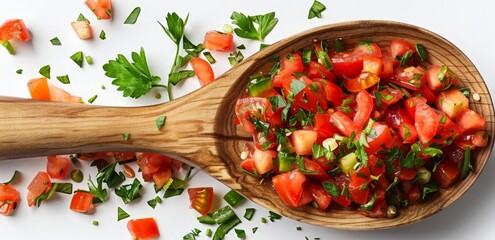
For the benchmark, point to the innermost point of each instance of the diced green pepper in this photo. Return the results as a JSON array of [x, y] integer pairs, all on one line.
[[285, 162], [260, 88]]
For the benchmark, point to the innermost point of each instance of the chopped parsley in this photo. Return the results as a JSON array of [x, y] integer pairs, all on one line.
[[64, 79], [121, 214], [12, 179], [19, 71], [45, 71], [92, 99], [160, 122], [55, 41], [78, 58], [81, 17], [245, 25], [103, 35], [129, 192], [316, 9], [133, 16], [126, 136]]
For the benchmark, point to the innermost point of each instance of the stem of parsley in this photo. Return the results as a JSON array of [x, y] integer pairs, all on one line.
[[172, 70]]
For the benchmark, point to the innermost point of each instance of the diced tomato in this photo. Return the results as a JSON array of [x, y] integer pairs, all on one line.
[[303, 140], [143, 229], [57, 166], [390, 96], [14, 29], [363, 109], [162, 176], [333, 92], [342, 122], [320, 195], [289, 187], [434, 82], [399, 47], [367, 49], [201, 199], [410, 78], [40, 185], [316, 70], [101, 8], [372, 65], [323, 127], [218, 41], [388, 65], [412, 103], [9, 198], [39, 90], [426, 92], [346, 65], [203, 71], [315, 171], [311, 98], [480, 139], [469, 120], [452, 102], [380, 206], [413, 195], [426, 122], [59, 95], [446, 174], [82, 202], [364, 81], [263, 160], [358, 185], [405, 174], [472, 139], [251, 108], [248, 165], [290, 64], [380, 140], [82, 29]]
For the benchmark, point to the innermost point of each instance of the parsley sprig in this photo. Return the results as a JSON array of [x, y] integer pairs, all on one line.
[[133, 79], [245, 25]]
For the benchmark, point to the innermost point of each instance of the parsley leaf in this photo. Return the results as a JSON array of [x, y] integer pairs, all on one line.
[[133, 16], [129, 192], [160, 121], [121, 214], [331, 188], [77, 58], [246, 28], [133, 79], [316, 9]]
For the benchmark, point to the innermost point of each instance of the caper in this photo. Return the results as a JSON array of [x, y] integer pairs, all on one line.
[[76, 175], [423, 176], [391, 211]]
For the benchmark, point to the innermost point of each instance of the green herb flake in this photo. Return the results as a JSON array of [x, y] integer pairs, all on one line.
[[89, 60], [331, 188], [103, 35], [95, 223], [76, 175], [55, 41], [249, 213], [240, 233], [8, 46], [241, 47], [420, 48], [45, 71], [233, 198], [466, 162], [13, 178], [299, 228], [274, 216], [245, 25], [208, 232], [133, 16], [176, 77], [263, 45], [129, 192], [152, 203], [121, 214], [160, 122], [339, 45], [65, 188], [77, 58], [225, 227], [405, 59], [254, 230], [428, 189], [82, 18], [316, 9], [64, 79], [126, 136], [209, 57], [92, 99], [19, 71], [369, 205], [263, 220]]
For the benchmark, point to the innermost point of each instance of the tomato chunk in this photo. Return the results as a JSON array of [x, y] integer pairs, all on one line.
[[201, 199], [40, 185], [39, 90], [303, 140], [203, 71], [57, 166], [82, 202], [469, 120], [9, 198], [289, 187], [14, 29], [452, 102], [101, 8], [143, 228], [217, 41]]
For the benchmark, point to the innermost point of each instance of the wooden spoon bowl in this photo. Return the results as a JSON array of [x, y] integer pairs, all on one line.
[[200, 127]]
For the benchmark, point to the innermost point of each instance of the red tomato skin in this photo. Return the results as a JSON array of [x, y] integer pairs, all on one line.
[[290, 64], [144, 228], [40, 184], [425, 122], [303, 140], [82, 202], [9, 198], [203, 71], [217, 41], [316, 70], [333, 92], [246, 108], [101, 8], [364, 108], [320, 195], [382, 140], [14, 28], [318, 172], [363, 81], [398, 47], [342, 122], [289, 187], [201, 199], [323, 127], [469, 120], [57, 166]]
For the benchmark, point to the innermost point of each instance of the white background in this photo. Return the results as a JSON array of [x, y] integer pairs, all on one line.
[[468, 24]]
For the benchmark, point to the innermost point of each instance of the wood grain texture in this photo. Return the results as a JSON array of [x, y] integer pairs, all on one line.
[[200, 127]]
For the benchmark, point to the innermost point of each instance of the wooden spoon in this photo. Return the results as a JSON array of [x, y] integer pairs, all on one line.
[[200, 127]]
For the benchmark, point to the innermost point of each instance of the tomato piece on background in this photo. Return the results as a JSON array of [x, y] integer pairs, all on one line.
[[289, 65], [39, 89], [382, 139], [39, 185], [248, 165], [82, 29], [218, 41], [316, 70], [303, 140], [82, 202], [143, 228], [162, 176], [203, 71], [323, 127], [59, 95], [9, 197], [14, 29], [57, 166], [311, 97], [426, 122], [373, 65], [333, 92], [469, 120], [289, 187], [320, 195], [251, 107], [201, 199], [101, 8], [263, 160], [364, 81]]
